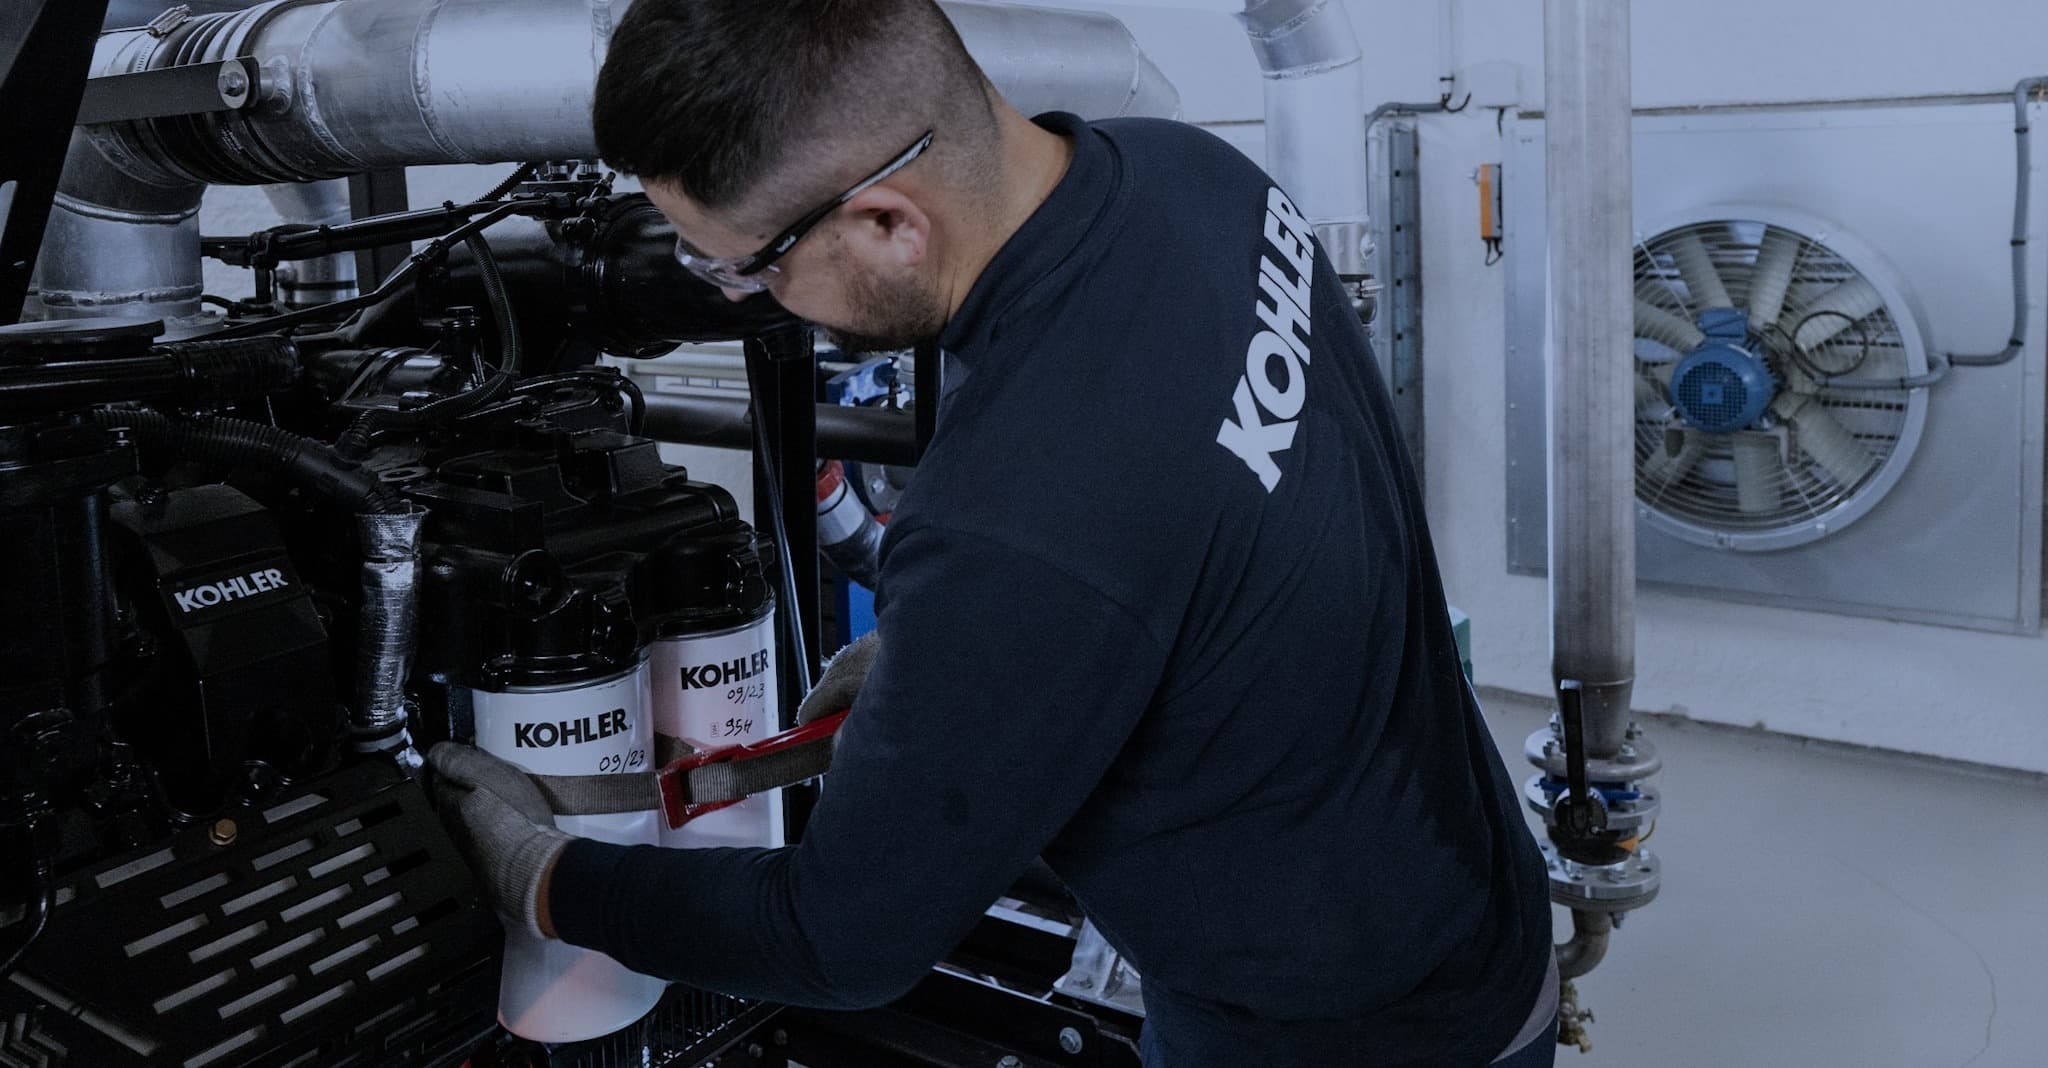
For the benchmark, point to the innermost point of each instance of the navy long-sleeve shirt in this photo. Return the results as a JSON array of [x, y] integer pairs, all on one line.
[[1160, 606]]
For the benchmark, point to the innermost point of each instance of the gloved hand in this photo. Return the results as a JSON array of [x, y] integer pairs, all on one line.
[[503, 825], [844, 674]]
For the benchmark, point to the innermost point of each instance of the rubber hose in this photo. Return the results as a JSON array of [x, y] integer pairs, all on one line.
[[237, 442], [501, 305]]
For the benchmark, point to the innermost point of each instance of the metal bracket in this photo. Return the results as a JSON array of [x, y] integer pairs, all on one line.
[[192, 89]]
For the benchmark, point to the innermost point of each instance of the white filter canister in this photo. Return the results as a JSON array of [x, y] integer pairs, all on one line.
[[717, 689], [552, 991]]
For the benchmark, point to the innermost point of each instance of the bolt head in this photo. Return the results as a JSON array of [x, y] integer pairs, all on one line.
[[1009, 1062], [223, 832], [1070, 1040]]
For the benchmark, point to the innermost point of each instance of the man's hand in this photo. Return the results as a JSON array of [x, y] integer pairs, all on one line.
[[844, 674], [503, 824]]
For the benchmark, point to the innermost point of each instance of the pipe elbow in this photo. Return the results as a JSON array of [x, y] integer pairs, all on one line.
[[1587, 946]]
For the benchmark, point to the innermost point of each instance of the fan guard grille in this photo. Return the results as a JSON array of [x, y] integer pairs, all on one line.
[[1822, 454]]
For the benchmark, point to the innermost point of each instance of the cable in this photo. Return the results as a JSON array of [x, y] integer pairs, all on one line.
[[636, 399], [512, 181], [435, 250], [1398, 108], [38, 920], [1937, 368], [772, 474], [2023, 165], [628, 389], [501, 304], [239, 442], [1805, 361]]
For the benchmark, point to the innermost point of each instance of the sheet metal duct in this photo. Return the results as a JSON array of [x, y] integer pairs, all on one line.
[[357, 85], [1315, 118]]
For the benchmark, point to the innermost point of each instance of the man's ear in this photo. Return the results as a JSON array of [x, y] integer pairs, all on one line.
[[887, 228]]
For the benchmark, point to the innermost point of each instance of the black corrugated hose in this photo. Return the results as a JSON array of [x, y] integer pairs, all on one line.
[[240, 443]]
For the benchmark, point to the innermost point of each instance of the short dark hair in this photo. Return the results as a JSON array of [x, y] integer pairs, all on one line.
[[718, 98]]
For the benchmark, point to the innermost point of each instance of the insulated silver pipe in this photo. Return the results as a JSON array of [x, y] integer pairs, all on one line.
[[385, 634], [357, 85], [1589, 210], [303, 283], [1046, 59], [1315, 118], [116, 245]]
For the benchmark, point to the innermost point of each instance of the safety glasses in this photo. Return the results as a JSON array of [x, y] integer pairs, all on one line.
[[749, 274]]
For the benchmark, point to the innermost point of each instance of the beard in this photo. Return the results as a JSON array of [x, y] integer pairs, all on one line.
[[896, 314]]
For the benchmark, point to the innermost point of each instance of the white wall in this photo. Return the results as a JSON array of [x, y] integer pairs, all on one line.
[[1933, 690]]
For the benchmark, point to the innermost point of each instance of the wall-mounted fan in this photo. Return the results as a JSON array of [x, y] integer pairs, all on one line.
[[1783, 257], [1756, 347]]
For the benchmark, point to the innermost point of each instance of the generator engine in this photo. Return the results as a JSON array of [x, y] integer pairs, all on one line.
[[255, 573]]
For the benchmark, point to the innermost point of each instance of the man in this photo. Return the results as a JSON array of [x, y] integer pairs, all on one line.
[[1160, 605]]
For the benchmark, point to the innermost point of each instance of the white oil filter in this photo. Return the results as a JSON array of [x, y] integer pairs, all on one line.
[[552, 991], [713, 689]]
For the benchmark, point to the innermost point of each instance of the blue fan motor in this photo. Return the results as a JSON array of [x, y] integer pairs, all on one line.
[[1723, 385]]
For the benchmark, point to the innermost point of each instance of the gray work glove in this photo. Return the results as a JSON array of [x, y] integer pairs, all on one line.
[[841, 683], [503, 825]]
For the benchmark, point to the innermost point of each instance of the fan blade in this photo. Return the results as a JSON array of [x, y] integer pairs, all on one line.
[[1659, 325], [1833, 312], [1653, 387], [1823, 437], [1696, 266], [1773, 273], [1756, 467], [1662, 468]]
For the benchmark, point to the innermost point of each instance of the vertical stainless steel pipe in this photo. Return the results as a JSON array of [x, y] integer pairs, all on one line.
[[327, 278], [1588, 168], [1315, 118]]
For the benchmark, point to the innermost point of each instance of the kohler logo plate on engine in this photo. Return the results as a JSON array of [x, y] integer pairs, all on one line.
[[195, 598]]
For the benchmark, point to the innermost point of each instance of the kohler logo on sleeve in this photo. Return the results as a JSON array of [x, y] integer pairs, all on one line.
[[547, 734], [1286, 277]]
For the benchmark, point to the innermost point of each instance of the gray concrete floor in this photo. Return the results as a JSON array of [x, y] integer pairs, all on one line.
[[1823, 906]]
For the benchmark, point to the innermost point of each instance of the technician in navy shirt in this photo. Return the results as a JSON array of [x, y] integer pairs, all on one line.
[[1160, 605]]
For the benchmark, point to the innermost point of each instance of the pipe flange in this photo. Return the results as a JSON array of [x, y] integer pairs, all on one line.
[[1637, 759], [1623, 813], [1621, 887]]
